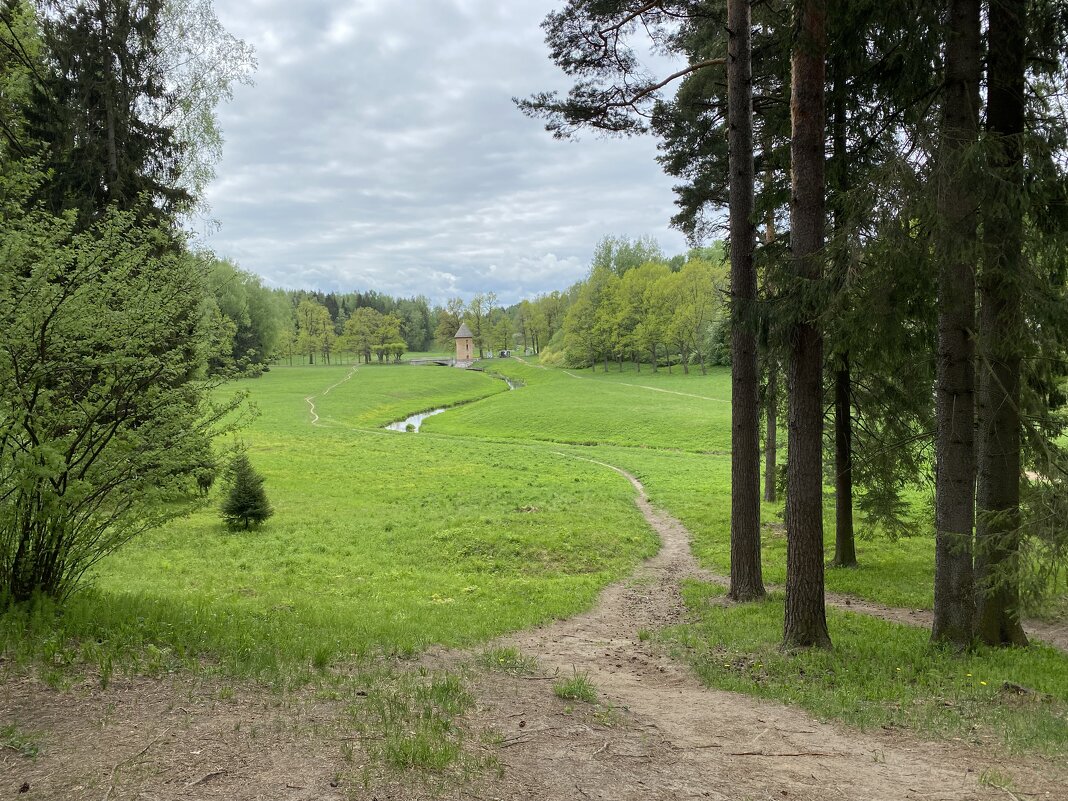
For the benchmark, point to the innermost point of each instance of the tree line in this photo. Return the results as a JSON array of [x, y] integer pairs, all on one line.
[[904, 164], [643, 310]]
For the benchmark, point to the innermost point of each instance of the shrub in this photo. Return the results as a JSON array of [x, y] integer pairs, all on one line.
[[246, 502]]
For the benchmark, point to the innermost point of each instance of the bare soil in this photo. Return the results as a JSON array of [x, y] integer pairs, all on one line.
[[657, 733]]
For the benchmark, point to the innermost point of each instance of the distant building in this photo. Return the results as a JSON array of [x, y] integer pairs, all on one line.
[[465, 346]]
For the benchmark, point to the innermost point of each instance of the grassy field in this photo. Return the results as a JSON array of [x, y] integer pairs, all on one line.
[[384, 543], [881, 674], [673, 432], [579, 407], [381, 542], [696, 489]]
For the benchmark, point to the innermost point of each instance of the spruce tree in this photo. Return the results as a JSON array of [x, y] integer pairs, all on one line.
[[246, 502]]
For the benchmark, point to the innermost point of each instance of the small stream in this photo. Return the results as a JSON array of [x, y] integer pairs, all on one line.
[[411, 424], [414, 421]]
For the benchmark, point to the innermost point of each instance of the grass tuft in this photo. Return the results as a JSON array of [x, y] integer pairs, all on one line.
[[22, 743], [508, 660], [577, 688]]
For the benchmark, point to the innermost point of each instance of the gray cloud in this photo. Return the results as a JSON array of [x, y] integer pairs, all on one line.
[[380, 149]]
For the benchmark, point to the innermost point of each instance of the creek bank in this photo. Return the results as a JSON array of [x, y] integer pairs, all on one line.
[[411, 424]]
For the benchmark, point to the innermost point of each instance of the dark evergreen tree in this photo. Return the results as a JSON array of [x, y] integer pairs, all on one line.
[[957, 252], [747, 581], [806, 617], [246, 502], [98, 111], [1001, 340]]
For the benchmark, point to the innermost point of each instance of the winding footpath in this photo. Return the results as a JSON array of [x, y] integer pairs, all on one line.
[[310, 399], [676, 739]]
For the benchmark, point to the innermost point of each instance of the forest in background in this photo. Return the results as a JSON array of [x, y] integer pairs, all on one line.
[[635, 304]]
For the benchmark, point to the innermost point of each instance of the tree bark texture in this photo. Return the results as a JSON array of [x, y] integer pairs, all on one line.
[[771, 400], [1001, 331], [747, 581], [806, 617], [771, 434], [845, 550], [954, 606]]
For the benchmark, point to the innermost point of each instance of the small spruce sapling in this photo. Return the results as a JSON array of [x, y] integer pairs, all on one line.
[[246, 502]]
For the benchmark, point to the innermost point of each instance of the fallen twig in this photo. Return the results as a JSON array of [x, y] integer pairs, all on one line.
[[791, 754], [205, 778], [1007, 791], [142, 752]]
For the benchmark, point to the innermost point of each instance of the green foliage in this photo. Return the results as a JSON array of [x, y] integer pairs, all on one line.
[[123, 107], [246, 321], [315, 330], [412, 723], [619, 254], [22, 743], [246, 501], [645, 312], [102, 416]]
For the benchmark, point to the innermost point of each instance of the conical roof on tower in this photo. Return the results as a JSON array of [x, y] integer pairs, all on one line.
[[464, 332]]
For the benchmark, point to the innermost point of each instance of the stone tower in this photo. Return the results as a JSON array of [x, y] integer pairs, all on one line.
[[465, 345]]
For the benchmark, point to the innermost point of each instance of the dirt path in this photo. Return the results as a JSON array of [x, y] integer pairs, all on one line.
[[310, 399], [1055, 634], [679, 740]]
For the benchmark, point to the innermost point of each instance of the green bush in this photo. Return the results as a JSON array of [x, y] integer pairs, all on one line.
[[246, 502]]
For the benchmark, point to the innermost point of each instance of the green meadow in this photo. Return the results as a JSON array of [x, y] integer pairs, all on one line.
[[646, 410], [673, 432], [381, 542], [384, 543]]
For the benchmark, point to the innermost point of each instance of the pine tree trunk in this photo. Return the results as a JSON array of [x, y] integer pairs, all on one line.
[[114, 189], [747, 582], [771, 434], [845, 552], [954, 606], [771, 399], [806, 617], [998, 497]]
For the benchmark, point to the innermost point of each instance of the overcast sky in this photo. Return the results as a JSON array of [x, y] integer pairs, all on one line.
[[380, 149]]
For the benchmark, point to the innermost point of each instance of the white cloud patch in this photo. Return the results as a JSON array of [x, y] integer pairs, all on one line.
[[380, 149]]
